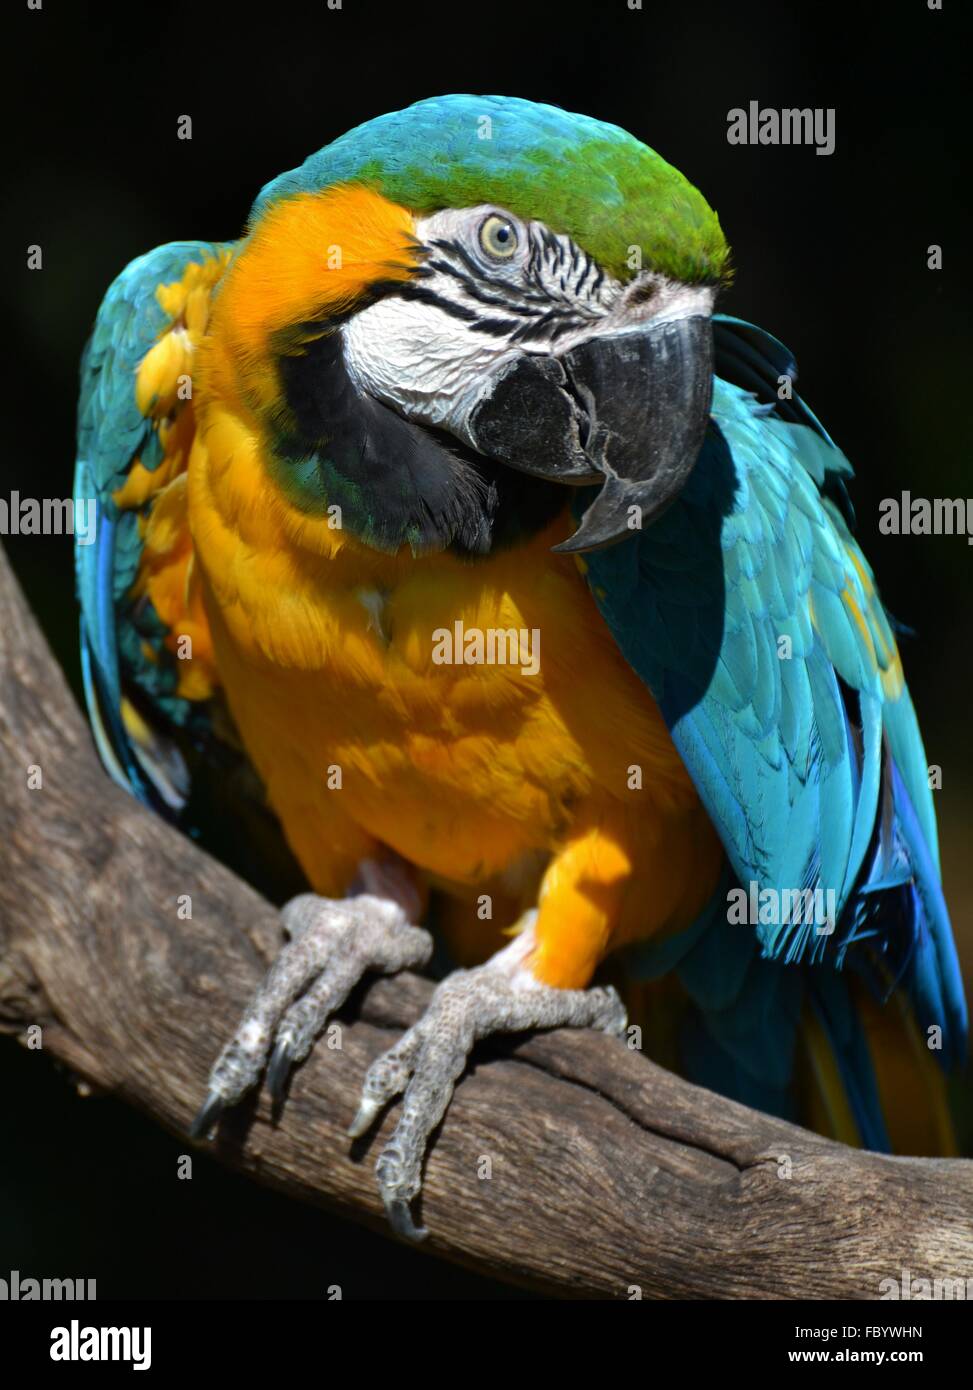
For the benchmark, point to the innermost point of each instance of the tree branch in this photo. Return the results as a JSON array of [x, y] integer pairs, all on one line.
[[607, 1171]]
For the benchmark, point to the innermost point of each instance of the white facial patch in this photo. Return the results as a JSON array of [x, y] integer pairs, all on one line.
[[412, 356], [433, 349]]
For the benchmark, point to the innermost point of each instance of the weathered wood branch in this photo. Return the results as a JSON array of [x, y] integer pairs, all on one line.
[[607, 1171]]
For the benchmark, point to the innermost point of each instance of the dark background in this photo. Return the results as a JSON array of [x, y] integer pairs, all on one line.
[[830, 254]]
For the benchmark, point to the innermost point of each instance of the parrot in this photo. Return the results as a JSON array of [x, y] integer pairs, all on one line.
[[487, 578]]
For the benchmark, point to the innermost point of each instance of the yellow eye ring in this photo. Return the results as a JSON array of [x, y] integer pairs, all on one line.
[[498, 237]]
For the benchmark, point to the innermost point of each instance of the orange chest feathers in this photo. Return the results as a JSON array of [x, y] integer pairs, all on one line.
[[462, 712]]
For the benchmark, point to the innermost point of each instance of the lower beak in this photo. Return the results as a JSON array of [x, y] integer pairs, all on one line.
[[629, 410]]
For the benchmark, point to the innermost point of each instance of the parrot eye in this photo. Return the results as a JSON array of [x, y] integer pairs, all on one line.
[[498, 237]]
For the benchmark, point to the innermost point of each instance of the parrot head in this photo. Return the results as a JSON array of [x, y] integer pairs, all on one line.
[[455, 311]]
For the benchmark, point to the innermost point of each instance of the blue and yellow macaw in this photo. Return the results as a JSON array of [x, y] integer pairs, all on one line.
[[523, 590]]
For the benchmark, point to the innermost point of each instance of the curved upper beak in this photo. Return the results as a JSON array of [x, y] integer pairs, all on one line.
[[628, 409]]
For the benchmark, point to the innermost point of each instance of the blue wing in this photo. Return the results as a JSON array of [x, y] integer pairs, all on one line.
[[113, 434], [751, 614]]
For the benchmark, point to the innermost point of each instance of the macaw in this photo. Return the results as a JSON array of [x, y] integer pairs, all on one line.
[[443, 509]]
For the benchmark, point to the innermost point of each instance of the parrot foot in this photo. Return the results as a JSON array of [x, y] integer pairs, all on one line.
[[332, 945], [501, 996]]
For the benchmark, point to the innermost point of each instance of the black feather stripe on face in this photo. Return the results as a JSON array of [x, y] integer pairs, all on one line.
[[397, 483], [557, 294]]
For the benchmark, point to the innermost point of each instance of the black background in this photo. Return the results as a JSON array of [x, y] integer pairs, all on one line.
[[830, 255]]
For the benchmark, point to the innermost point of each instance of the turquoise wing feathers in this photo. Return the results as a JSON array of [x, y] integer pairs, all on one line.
[[113, 432], [751, 613]]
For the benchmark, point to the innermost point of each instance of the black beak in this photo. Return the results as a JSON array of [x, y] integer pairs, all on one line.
[[629, 410]]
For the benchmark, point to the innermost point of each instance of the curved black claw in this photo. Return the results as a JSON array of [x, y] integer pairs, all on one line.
[[278, 1070], [208, 1117], [364, 1118], [400, 1219]]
